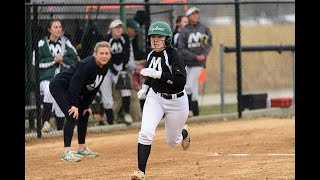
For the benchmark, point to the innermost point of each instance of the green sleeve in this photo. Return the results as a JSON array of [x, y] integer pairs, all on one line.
[[45, 57], [70, 56]]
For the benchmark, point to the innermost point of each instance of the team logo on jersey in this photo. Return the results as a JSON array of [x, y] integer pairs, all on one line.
[[96, 83], [169, 82], [194, 40], [55, 49], [116, 48], [156, 63]]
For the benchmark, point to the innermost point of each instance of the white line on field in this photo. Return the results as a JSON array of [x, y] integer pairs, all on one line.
[[219, 154]]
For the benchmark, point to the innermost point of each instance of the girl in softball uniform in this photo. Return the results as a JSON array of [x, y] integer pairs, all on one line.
[[120, 50], [56, 54], [166, 98]]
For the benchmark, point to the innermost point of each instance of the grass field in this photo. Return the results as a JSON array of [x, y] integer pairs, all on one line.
[[261, 70], [215, 109]]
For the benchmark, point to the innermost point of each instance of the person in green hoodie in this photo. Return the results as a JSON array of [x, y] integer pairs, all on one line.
[[56, 53]]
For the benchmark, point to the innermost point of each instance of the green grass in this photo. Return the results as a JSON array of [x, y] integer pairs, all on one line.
[[215, 109]]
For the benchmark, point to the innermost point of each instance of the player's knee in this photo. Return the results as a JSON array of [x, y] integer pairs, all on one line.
[[146, 137], [108, 105], [172, 143]]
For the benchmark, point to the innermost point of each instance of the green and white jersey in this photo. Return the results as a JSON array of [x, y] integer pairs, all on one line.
[[48, 49]]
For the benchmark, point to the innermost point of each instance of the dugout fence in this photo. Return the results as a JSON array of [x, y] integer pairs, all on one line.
[[266, 48]]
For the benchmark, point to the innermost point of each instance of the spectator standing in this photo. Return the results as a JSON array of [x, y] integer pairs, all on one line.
[[120, 52], [181, 22], [56, 53], [136, 58], [194, 43]]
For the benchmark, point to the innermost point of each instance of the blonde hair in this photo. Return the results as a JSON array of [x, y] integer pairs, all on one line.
[[100, 45]]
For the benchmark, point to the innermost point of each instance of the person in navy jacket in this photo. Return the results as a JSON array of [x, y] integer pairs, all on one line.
[[74, 90]]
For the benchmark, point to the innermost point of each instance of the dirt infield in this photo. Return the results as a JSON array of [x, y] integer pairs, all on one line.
[[261, 148]]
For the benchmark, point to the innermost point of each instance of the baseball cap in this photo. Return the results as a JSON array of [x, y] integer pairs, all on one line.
[[134, 25], [115, 23], [191, 10]]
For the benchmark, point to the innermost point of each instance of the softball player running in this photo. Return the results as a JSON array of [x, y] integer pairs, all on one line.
[[166, 98]]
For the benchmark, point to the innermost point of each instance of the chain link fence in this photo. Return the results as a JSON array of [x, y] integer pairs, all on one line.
[[262, 24]]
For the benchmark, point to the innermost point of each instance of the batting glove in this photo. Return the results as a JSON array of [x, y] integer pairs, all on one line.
[[142, 91], [151, 73]]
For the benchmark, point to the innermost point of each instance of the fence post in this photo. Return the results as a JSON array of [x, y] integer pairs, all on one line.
[[293, 76], [37, 79], [147, 21], [28, 62], [123, 14], [222, 78], [238, 54], [172, 18]]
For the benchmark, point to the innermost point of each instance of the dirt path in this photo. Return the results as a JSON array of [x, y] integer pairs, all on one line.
[[242, 149]]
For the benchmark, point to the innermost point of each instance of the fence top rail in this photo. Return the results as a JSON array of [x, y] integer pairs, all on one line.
[[164, 4], [280, 48]]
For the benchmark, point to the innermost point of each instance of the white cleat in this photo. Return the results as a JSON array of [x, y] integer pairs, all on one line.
[[138, 175], [128, 119], [46, 127]]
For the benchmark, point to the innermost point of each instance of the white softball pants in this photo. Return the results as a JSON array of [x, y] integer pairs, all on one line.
[[174, 113], [192, 85], [47, 98], [106, 88]]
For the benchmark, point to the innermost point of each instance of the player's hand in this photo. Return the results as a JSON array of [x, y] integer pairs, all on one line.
[[201, 57], [58, 58], [121, 73], [150, 72], [74, 110], [87, 110], [142, 91]]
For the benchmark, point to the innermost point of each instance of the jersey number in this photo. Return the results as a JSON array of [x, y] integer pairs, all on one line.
[[156, 63], [194, 40], [116, 48]]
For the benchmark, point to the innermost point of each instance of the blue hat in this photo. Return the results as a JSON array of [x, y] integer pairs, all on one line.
[[134, 25]]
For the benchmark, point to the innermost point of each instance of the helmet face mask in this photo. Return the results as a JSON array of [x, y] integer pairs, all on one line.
[[161, 28]]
